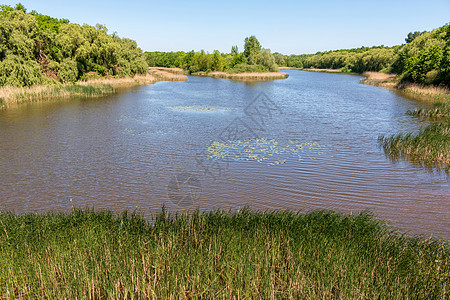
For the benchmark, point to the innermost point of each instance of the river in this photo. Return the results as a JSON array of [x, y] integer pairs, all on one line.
[[304, 143]]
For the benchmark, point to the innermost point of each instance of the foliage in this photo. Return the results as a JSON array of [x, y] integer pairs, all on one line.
[[252, 48], [35, 46], [16, 71], [245, 68], [266, 59], [68, 71], [426, 59], [412, 35], [357, 60]]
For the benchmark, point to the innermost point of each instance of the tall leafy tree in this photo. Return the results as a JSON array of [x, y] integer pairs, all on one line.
[[252, 48]]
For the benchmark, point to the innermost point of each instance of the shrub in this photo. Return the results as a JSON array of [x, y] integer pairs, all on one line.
[[245, 68]]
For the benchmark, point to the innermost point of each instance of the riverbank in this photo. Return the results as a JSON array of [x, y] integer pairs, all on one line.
[[247, 254], [410, 90], [431, 145], [89, 89]]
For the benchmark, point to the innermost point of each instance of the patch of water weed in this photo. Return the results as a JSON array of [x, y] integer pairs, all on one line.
[[199, 108], [263, 150]]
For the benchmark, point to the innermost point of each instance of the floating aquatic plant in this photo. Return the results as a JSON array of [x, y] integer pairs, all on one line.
[[263, 150], [200, 108]]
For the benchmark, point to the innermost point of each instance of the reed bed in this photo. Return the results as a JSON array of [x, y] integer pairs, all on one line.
[[249, 76], [167, 74], [12, 95], [440, 110], [216, 255], [324, 70], [176, 71], [425, 92], [431, 145], [89, 89]]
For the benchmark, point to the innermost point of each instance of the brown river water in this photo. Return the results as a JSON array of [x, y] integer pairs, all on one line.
[[304, 143]]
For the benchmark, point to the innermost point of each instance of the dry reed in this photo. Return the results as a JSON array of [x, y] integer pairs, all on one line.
[[411, 90], [91, 88], [249, 76]]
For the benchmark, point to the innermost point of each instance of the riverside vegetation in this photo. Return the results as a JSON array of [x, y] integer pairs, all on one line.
[[431, 145], [246, 254], [43, 57], [254, 63]]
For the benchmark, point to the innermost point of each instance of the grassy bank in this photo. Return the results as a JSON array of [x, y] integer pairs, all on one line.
[[321, 255], [432, 144], [89, 89], [410, 90]]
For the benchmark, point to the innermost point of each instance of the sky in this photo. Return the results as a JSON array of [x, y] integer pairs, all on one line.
[[288, 27]]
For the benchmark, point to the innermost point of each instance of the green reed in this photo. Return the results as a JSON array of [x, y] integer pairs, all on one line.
[[209, 255], [440, 110], [431, 145]]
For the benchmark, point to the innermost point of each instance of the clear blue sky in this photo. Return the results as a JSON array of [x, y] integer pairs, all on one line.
[[289, 27]]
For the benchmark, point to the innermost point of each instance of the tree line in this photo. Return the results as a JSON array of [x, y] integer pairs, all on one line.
[[39, 49], [424, 58], [254, 58]]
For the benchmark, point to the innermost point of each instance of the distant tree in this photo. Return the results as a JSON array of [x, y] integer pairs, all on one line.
[[19, 6], [234, 50], [266, 59], [252, 48], [279, 59], [412, 35], [238, 59], [218, 61]]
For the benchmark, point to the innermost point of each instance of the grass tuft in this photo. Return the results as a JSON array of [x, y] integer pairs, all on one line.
[[247, 254]]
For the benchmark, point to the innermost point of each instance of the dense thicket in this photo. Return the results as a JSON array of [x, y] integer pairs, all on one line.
[[36, 48], [253, 59]]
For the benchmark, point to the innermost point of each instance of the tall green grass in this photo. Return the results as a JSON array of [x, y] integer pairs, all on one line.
[[440, 110], [431, 145], [243, 255]]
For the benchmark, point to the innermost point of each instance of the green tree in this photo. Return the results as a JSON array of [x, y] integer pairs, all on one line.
[[234, 50], [252, 48], [16, 71], [412, 35], [218, 61], [266, 59]]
